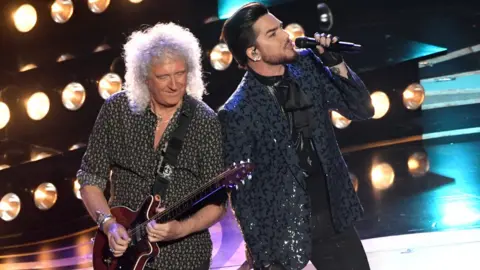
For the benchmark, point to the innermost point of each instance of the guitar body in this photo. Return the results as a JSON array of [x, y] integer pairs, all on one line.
[[139, 250]]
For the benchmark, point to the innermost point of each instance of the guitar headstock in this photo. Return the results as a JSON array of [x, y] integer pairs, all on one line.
[[238, 172]]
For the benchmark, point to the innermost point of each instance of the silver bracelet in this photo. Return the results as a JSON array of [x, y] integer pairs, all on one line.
[[102, 218]]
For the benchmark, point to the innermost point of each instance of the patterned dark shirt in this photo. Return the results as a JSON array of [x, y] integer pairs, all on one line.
[[121, 148]]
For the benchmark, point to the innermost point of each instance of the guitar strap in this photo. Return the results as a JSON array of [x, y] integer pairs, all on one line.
[[169, 153]]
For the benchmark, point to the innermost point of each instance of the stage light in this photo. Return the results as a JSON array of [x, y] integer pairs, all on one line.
[[34, 156], [413, 96], [73, 96], [135, 1], [10, 206], [4, 166], [65, 57], [418, 164], [109, 85], [76, 189], [101, 48], [45, 196], [98, 6], [38, 106], [382, 176], [25, 18], [4, 114], [27, 67], [380, 103], [76, 146], [221, 57], [325, 17], [295, 30], [61, 10], [339, 121]]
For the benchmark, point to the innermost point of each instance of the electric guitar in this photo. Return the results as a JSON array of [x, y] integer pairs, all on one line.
[[140, 250]]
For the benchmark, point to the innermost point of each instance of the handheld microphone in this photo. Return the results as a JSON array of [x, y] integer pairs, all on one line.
[[339, 46]]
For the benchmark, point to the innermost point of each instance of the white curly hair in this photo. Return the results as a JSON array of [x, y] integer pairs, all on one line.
[[163, 40]]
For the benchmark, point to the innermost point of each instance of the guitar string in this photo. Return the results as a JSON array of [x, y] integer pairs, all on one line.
[[187, 198]]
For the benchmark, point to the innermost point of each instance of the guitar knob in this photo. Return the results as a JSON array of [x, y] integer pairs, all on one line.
[[249, 176], [243, 181]]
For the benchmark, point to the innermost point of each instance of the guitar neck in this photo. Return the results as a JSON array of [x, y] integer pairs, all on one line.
[[185, 204]]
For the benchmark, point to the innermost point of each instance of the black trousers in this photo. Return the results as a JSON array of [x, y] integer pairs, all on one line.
[[342, 251], [330, 250]]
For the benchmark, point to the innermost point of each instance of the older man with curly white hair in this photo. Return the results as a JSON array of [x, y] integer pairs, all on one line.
[[163, 84]]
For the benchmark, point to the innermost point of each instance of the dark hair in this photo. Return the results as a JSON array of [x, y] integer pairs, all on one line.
[[238, 32]]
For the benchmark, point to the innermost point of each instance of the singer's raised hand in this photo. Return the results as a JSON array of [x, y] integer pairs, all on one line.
[[325, 41]]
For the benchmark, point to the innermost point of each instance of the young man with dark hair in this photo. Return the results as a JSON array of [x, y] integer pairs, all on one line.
[[300, 204]]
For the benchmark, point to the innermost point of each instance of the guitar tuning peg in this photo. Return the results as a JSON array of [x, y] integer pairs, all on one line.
[[236, 187], [249, 176], [242, 162], [248, 160], [243, 181], [234, 164]]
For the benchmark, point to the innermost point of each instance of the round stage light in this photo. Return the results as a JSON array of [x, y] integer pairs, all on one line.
[[10, 206], [340, 121], [38, 106], [135, 1], [413, 96], [45, 196], [98, 6], [76, 189], [25, 18], [61, 10], [418, 164], [295, 30], [4, 115], [381, 104], [109, 85], [73, 96], [382, 176], [221, 57]]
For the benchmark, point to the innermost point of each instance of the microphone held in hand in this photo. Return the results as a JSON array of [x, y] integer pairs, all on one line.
[[340, 46]]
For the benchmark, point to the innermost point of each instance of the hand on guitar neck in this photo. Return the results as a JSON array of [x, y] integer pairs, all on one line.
[[171, 230]]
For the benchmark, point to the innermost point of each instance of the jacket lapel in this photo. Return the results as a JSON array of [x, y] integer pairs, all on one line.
[[266, 106]]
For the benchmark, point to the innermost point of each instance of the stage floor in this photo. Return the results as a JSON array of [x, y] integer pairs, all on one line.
[[422, 211]]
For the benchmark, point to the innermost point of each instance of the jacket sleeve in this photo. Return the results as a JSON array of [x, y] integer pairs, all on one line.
[[349, 97], [237, 141]]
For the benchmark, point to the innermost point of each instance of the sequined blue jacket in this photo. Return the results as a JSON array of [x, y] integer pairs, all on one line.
[[273, 208]]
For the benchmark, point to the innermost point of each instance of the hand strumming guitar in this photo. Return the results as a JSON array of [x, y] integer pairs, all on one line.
[[118, 239]]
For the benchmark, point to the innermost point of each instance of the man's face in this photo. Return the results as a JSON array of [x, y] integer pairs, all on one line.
[[167, 81], [273, 43]]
